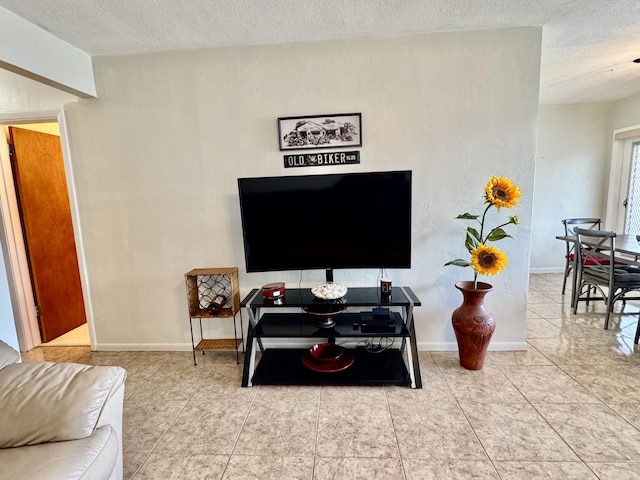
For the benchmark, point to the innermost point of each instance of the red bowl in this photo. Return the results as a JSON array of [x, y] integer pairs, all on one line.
[[326, 352]]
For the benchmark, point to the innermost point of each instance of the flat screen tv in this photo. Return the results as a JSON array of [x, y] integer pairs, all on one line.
[[334, 221]]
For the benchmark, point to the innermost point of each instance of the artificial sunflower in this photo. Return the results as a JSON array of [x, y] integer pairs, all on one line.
[[501, 192], [486, 259]]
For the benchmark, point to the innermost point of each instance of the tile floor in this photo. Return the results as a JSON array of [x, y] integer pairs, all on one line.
[[568, 408]]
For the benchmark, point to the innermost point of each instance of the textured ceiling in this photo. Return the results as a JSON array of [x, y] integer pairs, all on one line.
[[587, 48]]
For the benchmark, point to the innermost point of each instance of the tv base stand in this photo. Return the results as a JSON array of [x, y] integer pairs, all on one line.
[[283, 331]]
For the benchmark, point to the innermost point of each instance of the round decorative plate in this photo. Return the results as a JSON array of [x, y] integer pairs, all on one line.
[[326, 352], [329, 291], [343, 362]]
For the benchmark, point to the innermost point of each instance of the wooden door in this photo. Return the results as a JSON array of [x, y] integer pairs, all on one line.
[[41, 186]]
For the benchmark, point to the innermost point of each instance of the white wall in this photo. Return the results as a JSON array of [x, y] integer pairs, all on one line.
[[572, 172], [626, 112], [157, 155]]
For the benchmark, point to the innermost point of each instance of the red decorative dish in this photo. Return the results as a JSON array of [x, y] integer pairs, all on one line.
[[326, 352], [343, 362]]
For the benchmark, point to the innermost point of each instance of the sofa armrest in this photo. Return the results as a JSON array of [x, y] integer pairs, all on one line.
[[8, 355], [48, 402]]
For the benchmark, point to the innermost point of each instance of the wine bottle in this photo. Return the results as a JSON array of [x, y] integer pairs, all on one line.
[[216, 304]]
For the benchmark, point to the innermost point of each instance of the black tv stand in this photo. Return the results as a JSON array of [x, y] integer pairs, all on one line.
[[287, 321]]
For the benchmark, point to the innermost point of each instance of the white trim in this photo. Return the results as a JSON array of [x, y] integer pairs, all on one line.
[[24, 311], [186, 347], [453, 346], [546, 270], [144, 347], [77, 226]]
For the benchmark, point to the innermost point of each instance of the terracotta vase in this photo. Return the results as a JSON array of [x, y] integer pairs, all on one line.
[[473, 325]]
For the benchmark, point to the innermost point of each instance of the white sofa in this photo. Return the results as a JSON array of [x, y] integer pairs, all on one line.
[[59, 420]]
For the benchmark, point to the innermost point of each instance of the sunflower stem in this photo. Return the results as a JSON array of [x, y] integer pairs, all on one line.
[[482, 240]]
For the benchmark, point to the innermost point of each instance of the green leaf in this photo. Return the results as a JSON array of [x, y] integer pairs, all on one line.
[[467, 216], [498, 234], [469, 243], [458, 262], [472, 240], [475, 233]]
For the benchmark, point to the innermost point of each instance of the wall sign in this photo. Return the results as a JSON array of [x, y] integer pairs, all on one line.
[[320, 159]]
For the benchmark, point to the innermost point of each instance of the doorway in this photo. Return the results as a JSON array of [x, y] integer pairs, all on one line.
[[54, 277]]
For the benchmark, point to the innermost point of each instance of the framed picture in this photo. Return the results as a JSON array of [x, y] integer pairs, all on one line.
[[320, 131]]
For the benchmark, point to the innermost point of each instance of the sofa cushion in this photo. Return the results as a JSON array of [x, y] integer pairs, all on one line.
[[91, 458], [51, 402], [8, 355]]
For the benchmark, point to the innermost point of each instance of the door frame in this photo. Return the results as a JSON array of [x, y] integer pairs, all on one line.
[[26, 320]]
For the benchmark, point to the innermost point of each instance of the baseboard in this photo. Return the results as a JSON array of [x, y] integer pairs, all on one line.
[[546, 270], [453, 346], [352, 343], [143, 347]]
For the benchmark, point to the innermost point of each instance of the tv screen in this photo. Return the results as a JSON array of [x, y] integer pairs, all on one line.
[[354, 220]]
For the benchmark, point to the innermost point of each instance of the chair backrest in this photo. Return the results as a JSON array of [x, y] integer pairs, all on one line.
[[570, 224], [596, 249]]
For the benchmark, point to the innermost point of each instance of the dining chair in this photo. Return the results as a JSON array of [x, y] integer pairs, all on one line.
[[598, 270], [569, 225]]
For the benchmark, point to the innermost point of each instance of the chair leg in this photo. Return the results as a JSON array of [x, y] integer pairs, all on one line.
[[635, 341], [609, 309], [567, 271]]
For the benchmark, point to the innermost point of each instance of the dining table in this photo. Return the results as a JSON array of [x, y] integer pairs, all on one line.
[[626, 244]]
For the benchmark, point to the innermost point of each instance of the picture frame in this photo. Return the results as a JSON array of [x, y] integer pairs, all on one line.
[[337, 130]]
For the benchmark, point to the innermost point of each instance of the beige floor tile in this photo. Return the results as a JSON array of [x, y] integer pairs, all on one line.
[[616, 471], [531, 356], [172, 383], [541, 328], [594, 432], [549, 309], [629, 411], [356, 429], [287, 393], [354, 394], [434, 390], [566, 350], [222, 382], [280, 428], [547, 384], [358, 469], [435, 432], [544, 471], [182, 466], [268, 467], [132, 463], [515, 432], [487, 385], [146, 421], [420, 469], [610, 383], [211, 428]]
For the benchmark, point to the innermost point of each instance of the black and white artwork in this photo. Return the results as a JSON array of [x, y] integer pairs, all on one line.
[[320, 131]]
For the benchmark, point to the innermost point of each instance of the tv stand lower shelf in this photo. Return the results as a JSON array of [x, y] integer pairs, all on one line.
[[273, 326], [284, 366]]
